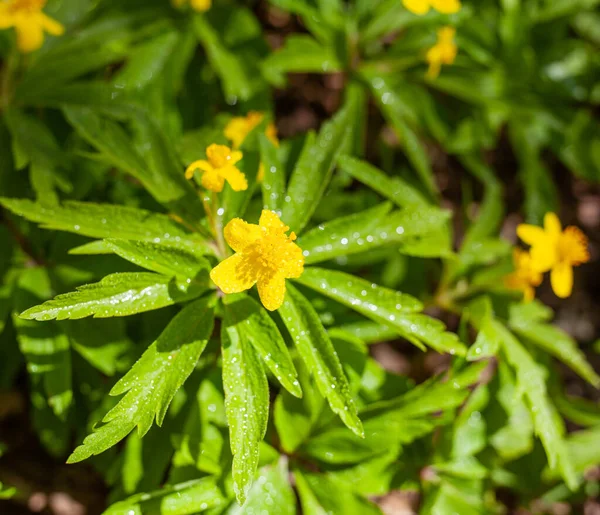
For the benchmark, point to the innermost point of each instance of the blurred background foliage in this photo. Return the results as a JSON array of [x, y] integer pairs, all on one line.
[[113, 110]]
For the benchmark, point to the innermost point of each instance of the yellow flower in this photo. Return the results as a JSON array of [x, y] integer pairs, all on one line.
[[525, 277], [556, 250], [198, 5], [443, 52], [240, 126], [423, 6], [265, 256], [219, 168], [29, 21]]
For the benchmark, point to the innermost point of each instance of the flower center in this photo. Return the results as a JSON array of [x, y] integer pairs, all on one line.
[[269, 253], [29, 6]]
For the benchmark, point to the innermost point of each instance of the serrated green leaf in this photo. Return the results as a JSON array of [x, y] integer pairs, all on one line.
[[271, 493], [152, 382], [186, 498], [391, 308], [313, 170], [531, 383], [115, 295], [559, 344], [246, 404], [273, 184], [169, 261], [408, 228], [249, 317], [320, 357], [108, 221], [487, 343], [342, 236], [393, 188]]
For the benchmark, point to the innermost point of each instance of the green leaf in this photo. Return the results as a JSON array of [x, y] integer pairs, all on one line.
[[271, 493], [487, 343], [115, 295], [273, 184], [374, 228], [107, 221], [236, 83], [186, 498], [152, 382], [559, 344], [531, 384], [249, 317], [300, 53], [246, 404], [385, 306], [342, 236], [169, 261], [295, 417], [393, 188], [320, 357], [45, 347], [321, 494], [102, 343], [584, 449], [154, 163], [313, 170]]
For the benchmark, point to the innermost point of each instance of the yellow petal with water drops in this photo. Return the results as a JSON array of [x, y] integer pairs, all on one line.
[[50, 25], [293, 266], [234, 275], [270, 221], [446, 6], [239, 234], [203, 165], [531, 234], [561, 278], [417, 6], [235, 178], [212, 180], [271, 290], [552, 226], [219, 155], [30, 36]]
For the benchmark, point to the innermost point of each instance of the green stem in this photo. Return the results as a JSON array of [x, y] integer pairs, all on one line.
[[7, 78]]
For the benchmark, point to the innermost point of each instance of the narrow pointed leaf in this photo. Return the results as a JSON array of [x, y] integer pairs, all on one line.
[[320, 357], [152, 382], [116, 295]]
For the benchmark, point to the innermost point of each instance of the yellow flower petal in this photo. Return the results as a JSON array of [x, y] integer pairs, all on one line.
[[201, 5], [573, 246], [50, 25], [7, 19], [528, 293], [446, 6], [531, 234], [417, 6], [240, 234], [271, 133], [235, 178], [552, 226], [197, 165], [561, 279], [294, 261], [234, 275], [270, 221], [30, 36], [271, 290], [544, 255], [212, 180]]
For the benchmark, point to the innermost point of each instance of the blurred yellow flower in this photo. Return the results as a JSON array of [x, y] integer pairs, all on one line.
[[29, 21], [198, 5], [525, 278], [240, 126], [265, 256], [443, 52], [423, 6], [219, 168], [555, 250]]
